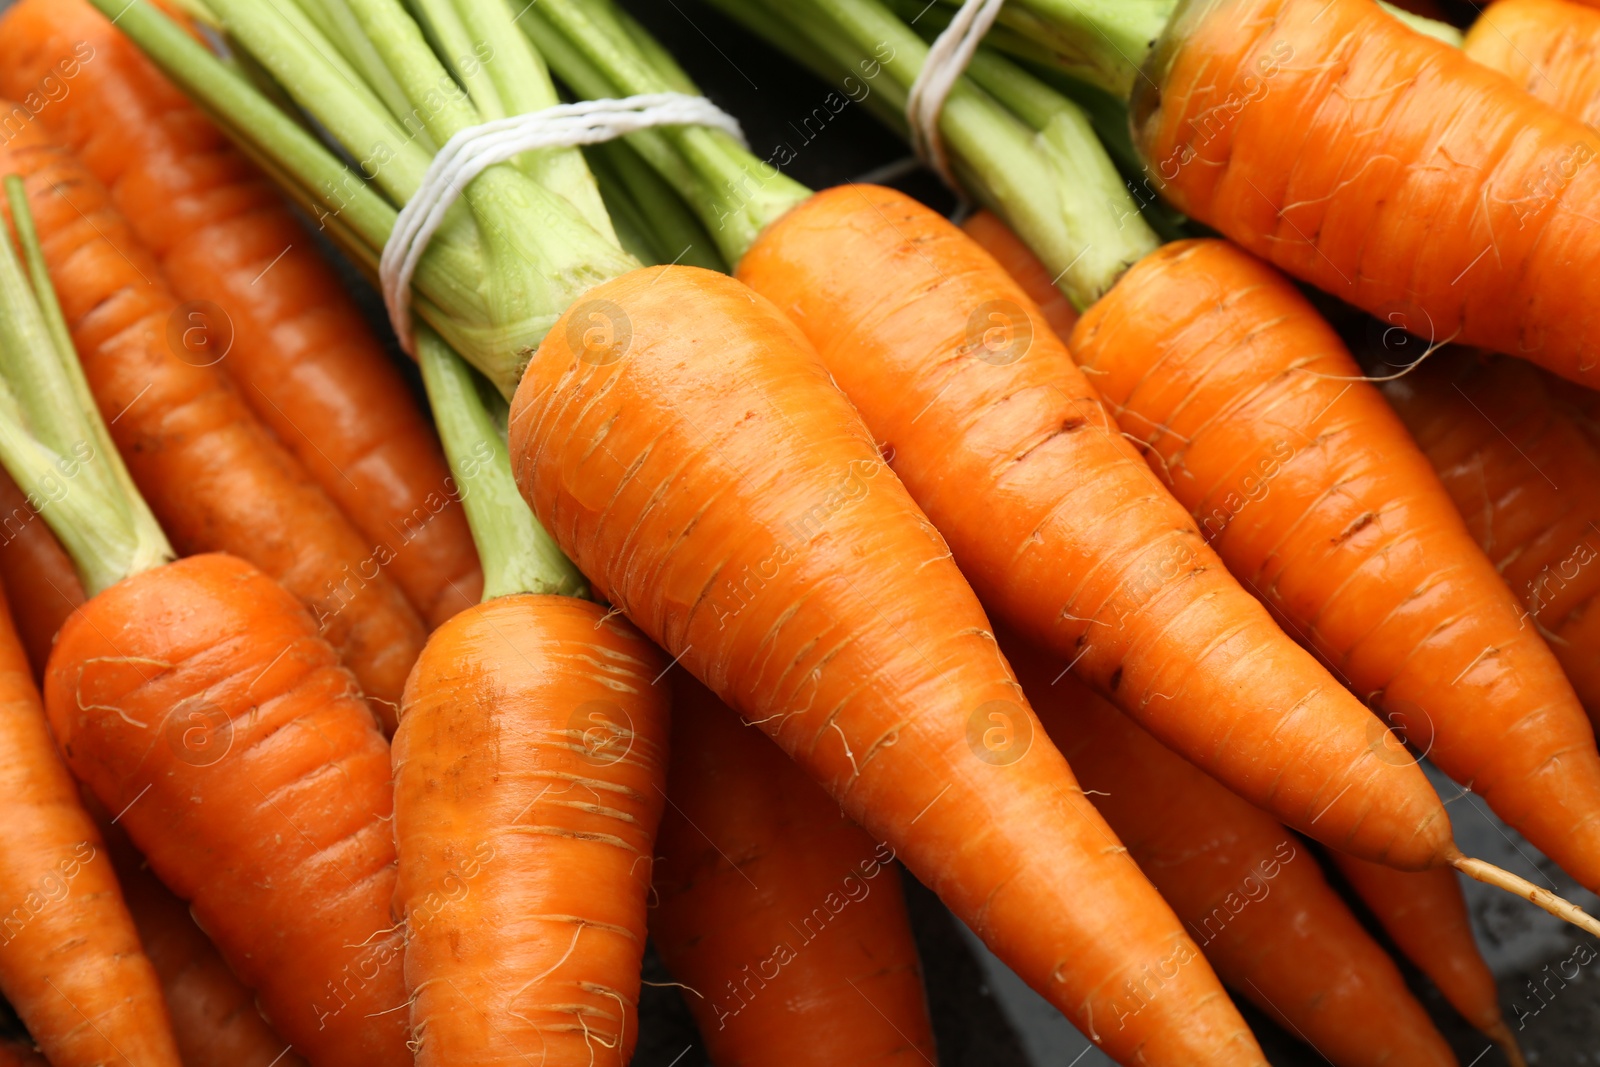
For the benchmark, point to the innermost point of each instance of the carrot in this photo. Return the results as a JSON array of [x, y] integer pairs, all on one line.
[[1253, 898], [298, 349], [1006, 447], [37, 574], [215, 475], [1425, 915], [528, 767], [1018, 260], [214, 1016], [783, 919], [20, 1054], [1069, 537], [1383, 166], [70, 959], [1526, 479], [685, 446], [1309, 488], [1549, 47], [198, 702]]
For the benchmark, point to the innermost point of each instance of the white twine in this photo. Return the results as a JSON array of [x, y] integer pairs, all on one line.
[[948, 57], [477, 148]]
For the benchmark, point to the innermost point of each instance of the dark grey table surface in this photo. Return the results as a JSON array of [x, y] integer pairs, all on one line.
[[983, 1015]]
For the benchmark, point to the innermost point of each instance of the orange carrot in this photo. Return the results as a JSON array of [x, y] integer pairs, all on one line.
[[784, 919], [20, 1054], [1067, 534], [1309, 488], [1386, 168], [1526, 479], [1018, 260], [525, 818], [70, 959], [1254, 899], [1425, 915], [686, 448], [214, 475], [302, 356], [36, 573], [198, 701], [1549, 47], [214, 1017]]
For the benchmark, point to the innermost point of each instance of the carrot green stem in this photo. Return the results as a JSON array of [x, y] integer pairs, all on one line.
[[1021, 148], [667, 231], [52, 439], [595, 50], [510, 257], [1102, 42], [1442, 31], [518, 556]]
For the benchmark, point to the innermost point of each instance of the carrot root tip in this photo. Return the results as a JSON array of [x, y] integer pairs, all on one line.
[[1560, 907], [1501, 1035]]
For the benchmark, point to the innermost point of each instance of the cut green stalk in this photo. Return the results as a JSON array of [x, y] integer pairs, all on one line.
[[510, 257], [665, 230], [735, 194], [1016, 84], [518, 556], [1025, 151], [1102, 42], [52, 439]]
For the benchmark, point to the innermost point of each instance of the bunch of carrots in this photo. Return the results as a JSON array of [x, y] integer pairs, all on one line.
[[709, 549]]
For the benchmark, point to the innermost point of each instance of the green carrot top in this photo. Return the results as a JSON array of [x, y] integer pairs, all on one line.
[[1023, 149], [52, 438]]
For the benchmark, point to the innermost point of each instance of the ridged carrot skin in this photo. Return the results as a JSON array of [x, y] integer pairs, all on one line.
[[785, 918], [1526, 478], [1024, 267], [686, 448], [1549, 47], [37, 574], [198, 701], [1249, 890], [1425, 915], [1385, 167], [530, 769], [301, 354], [214, 1016], [1064, 530], [215, 477], [1309, 488], [70, 959]]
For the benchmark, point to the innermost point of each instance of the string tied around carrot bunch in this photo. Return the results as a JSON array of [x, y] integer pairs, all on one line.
[[477, 148], [947, 60]]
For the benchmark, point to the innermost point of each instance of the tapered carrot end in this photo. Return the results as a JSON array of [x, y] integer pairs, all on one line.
[[1560, 907], [1501, 1035]]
